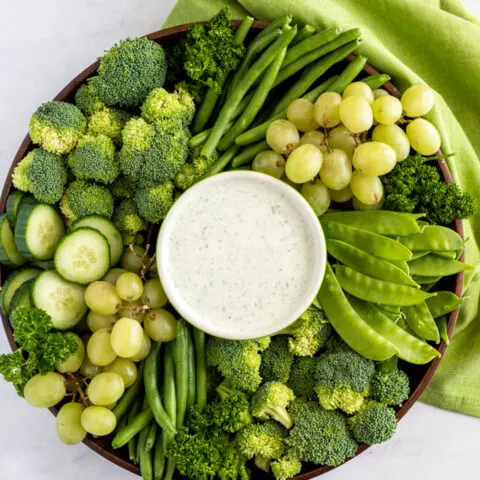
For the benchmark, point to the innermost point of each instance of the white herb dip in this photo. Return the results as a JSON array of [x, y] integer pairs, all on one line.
[[241, 255]]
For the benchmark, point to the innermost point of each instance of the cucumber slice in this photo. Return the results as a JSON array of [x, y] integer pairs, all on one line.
[[83, 256], [9, 253], [62, 300], [44, 264], [22, 298], [38, 231], [13, 205], [108, 230], [13, 283]]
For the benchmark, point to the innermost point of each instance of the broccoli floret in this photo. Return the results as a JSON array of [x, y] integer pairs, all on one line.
[[94, 159], [237, 360], [271, 401], [153, 203], [43, 174], [109, 122], [374, 423], [233, 465], [232, 411], [302, 376], [152, 153], [276, 361], [319, 436], [128, 72], [82, 198], [127, 220], [194, 169], [177, 108], [389, 384], [214, 379], [309, 333], [57, 126], [343, 379], [286, 467], [87, 101], [122, 188]]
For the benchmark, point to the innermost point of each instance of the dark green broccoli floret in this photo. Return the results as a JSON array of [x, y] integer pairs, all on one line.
[[374, 423], [271, 401], [232, 411], [309, 333], [122, 188], [237, 360], [127, 220], [87, 101], [214, 379], [153, 203], [57, 126], [286, 467], [43, 174], [343, 379], [233, 465], [276, 361], [109, 122], [194, 170], [302, 376], [82, 198], [94, 159], [389, 384], [128, 72], [319, 436]]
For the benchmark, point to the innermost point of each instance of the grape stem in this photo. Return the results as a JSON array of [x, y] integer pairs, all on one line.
[[74, 383]]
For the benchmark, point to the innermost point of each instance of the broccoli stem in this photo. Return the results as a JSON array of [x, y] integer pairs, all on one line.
[[280, 415], [388, 365], [262, 462]]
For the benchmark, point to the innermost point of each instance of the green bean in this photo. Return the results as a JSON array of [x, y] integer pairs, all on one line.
[[201, 138], [137, 424], [192, 394], [424, 280], [382, 222], [249, 153], [305, 32], [373, 243], [145, 456], [444, 302], [442, 326], [130, 395], [208, 104], [279, 22], [158, 458], [150, 376], [431, 265], [448, 254], [170, 396], [433, 237], [348, 75], [419, 254], [367, 263], [222, 161], [181, 371], [420, 320], [256, 103], [132, 413], [313, 73], [378, 291], [410, 348], [376, 81], [267, 57], [152, 433], [201, 368], [348, 324]]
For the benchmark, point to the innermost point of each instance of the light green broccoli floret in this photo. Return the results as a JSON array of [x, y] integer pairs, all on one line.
[[83, 198], [128, 72], [194, 170], [109, 122], [286, 467], [87, 101], [270, 401], [153, 203], [127, 220], [57, 126], [43, 174], [122, 188], [177, 108], [94, 159]]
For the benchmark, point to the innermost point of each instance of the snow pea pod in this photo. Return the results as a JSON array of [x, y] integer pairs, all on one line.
[[431, 265], [392, 315], [348, 324], [449, 254], [378, 291], [401, 264], [443, 328], [433, 237], [378, 245], [444, 302], [367, 264], [425, 279], [420, 320], [419, 254], [410, 348]]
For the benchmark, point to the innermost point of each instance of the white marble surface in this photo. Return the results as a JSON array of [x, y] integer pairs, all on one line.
[[45, 43]]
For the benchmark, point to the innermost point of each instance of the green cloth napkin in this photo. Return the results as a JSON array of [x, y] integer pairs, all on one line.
[[431, 41]]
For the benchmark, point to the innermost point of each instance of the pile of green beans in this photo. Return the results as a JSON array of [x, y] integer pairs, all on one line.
[[373, 297]]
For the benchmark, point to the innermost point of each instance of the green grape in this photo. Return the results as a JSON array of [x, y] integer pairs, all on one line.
[[340, 138], [124, 367], [315, 138], [88, 369], [126, 337], [102, 298], [133, 259], [45, 391], [129, 286], [316, 194], [144, 349], [379, 92], [374, 158], [387, 110], [336, 170], [105, 388], [69, 425], [98, 421], [160, 325], [394, 136], [359, 89], [358, 205], [96, 322], [366, 188], [356, 114], [99, 348], [301, 113], [113, 274], [423, 137], [342, 195], [153, 294], [303, 163], [282, 136], [417, 100], [133, 310], [75, 360], [326, 109], [269, 162]]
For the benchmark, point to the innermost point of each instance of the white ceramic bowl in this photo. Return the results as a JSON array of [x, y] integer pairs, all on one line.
[[241, 255]]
